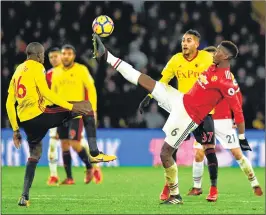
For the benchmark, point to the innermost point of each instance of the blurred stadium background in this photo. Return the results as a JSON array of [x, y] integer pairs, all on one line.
[[146, 34]]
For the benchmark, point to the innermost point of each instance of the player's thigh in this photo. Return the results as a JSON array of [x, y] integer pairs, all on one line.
[[165, 95], [56, 116], [226, 134], [205, 132], [75, 129], [178, 126], [34, 130]]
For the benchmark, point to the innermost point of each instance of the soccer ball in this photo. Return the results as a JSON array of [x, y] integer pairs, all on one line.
[[103, 26]]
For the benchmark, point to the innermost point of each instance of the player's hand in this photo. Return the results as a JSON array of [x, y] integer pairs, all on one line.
[[83, 107], [145, 103], [244, 145], [234, 126], [17, 139]]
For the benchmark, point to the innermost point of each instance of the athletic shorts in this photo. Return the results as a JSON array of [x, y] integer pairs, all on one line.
[[205, 134], [225, 133], [71, 131], [179, 124], [52, 117], [53, 132]]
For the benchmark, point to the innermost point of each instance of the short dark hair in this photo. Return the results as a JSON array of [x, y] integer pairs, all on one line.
[[33, 48], [194, 32], [210, 49], [68, 46], [231, 47], [54, 49]]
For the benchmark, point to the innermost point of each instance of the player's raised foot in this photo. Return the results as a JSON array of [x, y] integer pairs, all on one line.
[[257, 191], [173, 200], [101, 157], [53, 181], [68, 181], [165, 193], [88, 175], [99, 50], [98, 176], [213, 194], [23, 201], [194, 191]]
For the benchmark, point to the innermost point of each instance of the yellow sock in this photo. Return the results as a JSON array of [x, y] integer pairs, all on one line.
[[171, 179]]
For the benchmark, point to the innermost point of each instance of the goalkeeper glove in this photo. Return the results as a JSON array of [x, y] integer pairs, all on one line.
[[244, 145], [145, 103]]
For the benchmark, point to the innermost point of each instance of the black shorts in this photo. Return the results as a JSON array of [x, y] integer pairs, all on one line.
[[204, 133], [72, 130], [37, 127]]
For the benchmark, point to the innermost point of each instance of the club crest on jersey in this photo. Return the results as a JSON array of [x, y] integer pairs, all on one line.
[[214, 78], [231, 91], [202, 80]]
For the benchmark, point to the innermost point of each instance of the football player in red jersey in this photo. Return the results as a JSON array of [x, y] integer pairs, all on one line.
[[55, 60], [226, 134], [187, 111]]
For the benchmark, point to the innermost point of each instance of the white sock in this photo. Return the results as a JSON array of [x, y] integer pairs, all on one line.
[[246, 167], [125, 69], [53, 156], [198, 168], [171, 177]]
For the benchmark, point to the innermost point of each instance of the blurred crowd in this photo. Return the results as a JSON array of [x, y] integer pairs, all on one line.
[[146, 35]]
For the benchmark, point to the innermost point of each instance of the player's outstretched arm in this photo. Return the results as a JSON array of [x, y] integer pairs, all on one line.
[[230, 95], [12, 115], [125, 69]]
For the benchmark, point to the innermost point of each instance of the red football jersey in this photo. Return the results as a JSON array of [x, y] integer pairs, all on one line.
[[212, 87], [49, 75], [223, 111]]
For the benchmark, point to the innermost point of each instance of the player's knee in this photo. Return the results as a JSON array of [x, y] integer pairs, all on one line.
[[199, 156], [166, 152], [237, 153]]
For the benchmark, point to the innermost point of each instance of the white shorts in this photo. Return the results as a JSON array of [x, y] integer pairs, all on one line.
[[179, 124], [53, 132], [224, 133]]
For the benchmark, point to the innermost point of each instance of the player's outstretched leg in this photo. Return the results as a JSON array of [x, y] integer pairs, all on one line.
[[197, 169], [171, 174], [246, 167], [53, 158], [35, 154], [125, 69]]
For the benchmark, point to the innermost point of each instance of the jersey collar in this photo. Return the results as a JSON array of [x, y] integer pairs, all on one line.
[[192, 58]]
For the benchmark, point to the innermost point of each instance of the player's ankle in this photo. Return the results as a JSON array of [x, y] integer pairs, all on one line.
[[94, 153]]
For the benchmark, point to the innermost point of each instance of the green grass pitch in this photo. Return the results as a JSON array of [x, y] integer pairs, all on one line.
[[129, 190]]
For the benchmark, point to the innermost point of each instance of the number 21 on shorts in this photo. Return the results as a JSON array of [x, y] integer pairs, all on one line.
[[20, 89]]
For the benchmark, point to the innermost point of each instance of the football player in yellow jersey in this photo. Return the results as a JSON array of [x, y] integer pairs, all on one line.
[[55, 60], [186, 67], [73, 82], [29, 89]]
